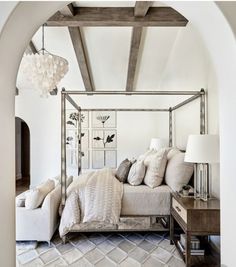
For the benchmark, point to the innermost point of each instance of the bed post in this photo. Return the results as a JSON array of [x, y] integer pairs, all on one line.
[[63, 148], [202, 112], [79, 142], [170, 128]]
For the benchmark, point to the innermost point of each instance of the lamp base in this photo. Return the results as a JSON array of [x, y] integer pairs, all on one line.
[[201, 182]]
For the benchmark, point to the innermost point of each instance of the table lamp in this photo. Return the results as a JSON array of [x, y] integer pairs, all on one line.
[[158, 143], [202, 150]]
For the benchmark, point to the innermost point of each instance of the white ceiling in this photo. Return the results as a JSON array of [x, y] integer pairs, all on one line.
[[160, 58]]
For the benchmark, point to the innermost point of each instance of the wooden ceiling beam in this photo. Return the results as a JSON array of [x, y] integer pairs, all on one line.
[[141, 8], [133, 57], [79, 48], [32, 48], [68, 10], [118, 16]]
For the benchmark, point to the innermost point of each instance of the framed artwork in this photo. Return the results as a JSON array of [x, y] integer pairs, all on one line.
[[104, 119], [72, 158], [71, 139], [104, 158], [72, 119], [104, 139], [85, 139], [85, 160]]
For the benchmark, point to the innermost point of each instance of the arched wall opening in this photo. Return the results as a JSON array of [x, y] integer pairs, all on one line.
[[221, 45], [22, 155]]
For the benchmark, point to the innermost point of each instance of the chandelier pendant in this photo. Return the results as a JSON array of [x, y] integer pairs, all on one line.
[[44, 70]]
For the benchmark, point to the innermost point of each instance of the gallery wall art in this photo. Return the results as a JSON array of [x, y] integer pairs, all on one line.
[[98, 139]]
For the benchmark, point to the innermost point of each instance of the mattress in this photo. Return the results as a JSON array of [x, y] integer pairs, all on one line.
[[143, 200]]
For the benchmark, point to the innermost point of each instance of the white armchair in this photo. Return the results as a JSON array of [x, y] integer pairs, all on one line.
[[39, 224]]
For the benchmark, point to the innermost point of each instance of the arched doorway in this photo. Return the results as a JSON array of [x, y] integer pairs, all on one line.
[[22, 155], [221, 44]]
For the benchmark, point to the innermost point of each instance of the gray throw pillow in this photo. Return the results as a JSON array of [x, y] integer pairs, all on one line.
[[178, 172], [123, 170]]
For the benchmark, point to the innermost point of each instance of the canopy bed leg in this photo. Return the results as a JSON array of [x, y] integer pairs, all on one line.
[[63, 149], [170, 128], [79, 143], [64, 240]]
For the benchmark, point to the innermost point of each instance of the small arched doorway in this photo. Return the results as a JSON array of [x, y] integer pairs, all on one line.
[[22, 155]]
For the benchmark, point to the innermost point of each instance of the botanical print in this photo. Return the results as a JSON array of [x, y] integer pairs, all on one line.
[[104, 119], [72, 117], [104, 139], [103, 158]]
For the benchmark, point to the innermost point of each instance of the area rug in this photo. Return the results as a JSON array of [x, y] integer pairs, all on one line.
[[103, 250]]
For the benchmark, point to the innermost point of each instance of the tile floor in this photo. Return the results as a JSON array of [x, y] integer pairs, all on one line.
[[104, 250]]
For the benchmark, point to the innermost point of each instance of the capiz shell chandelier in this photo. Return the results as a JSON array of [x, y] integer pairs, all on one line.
[[44, 70]]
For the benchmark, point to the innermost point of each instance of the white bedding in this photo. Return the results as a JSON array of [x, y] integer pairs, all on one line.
[[93, 197], [143, 200]]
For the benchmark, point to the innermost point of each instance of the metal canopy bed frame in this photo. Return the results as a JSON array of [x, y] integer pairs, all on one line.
[[67, 96]]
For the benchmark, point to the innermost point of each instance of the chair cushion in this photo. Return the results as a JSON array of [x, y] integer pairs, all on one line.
[[34, 198]]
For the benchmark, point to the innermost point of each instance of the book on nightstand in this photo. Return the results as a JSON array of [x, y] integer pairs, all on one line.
[[196, 252]]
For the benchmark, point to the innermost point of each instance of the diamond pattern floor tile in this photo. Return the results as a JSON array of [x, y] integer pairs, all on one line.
[[138, 254], [103, 250], [117, 255], [94, 256], [50, 255], [146, 245], [174, 262], [63, 248], [151, 262], [162, 254], [105, 262], [27, 256], [126, 246], [72, 256], [106, 246]]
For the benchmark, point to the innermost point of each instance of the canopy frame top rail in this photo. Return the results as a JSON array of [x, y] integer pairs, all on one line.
[[133, 92]]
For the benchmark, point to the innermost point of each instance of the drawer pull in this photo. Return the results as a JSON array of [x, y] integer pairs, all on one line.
[[178, 209]]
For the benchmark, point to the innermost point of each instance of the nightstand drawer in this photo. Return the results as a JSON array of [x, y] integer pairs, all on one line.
[[179, 209]]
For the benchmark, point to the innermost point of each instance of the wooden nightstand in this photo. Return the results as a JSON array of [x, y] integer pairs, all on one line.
[[195, 217]]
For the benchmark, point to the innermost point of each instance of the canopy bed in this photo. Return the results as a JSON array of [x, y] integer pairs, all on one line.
[[136, 208]]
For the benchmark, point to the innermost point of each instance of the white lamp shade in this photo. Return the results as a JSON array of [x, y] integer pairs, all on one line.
[[158, 143], [202, 149]]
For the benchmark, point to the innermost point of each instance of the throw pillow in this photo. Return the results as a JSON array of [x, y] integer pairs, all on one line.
[[123, 170], [137, 173], [178, 172], [34, 198], [156, 164]]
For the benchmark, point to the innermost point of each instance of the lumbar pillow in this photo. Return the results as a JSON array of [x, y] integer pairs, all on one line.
[[123, 170], [178, 172], [156, 164], [137, 173], [34, 198]]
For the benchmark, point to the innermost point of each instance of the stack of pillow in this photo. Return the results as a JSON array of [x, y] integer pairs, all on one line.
[[33, 198], [155, 168]]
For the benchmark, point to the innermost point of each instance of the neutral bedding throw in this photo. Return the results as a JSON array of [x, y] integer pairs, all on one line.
[[98, 199]]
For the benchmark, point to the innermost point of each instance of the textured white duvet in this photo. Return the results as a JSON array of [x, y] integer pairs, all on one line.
[[93, 197]]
